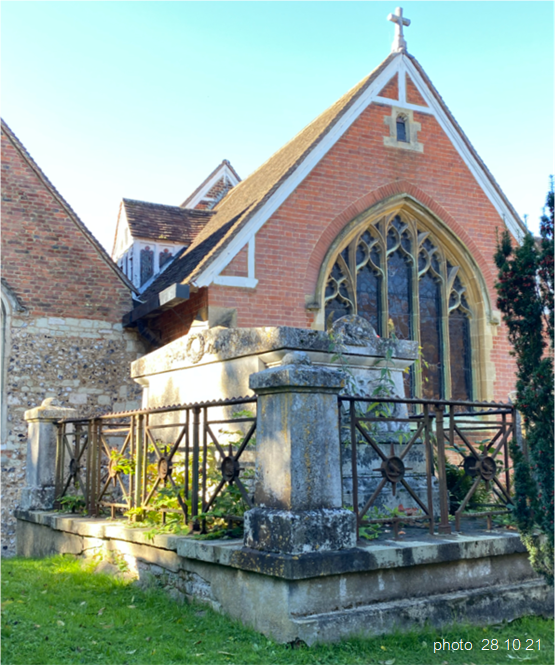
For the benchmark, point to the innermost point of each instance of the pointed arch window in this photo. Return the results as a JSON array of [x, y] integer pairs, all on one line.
[[397, 275]]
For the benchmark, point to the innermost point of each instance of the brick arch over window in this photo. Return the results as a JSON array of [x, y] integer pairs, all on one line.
[[399, 265], [393, 192]]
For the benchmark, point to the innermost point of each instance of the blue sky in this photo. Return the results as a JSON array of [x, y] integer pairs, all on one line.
[[144, 99]]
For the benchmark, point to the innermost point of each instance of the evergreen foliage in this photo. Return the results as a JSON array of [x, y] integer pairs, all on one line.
[[526, 298]]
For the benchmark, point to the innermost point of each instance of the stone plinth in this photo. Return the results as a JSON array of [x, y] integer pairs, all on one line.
[[298, 484], [381, 587], [41, 454]]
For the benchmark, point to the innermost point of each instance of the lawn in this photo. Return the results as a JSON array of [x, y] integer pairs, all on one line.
[[56, 611]]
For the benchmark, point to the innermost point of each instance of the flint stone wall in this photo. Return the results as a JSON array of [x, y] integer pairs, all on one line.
[[83, 363]]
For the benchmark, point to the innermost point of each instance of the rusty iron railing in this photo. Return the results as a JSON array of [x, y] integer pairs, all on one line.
[[175, 459], [458, 453]]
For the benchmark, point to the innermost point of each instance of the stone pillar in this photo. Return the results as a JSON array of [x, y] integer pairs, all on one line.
[[298, 481], [41, 455]]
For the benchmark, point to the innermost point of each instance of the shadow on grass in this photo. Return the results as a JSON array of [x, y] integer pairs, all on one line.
[[56, 611]]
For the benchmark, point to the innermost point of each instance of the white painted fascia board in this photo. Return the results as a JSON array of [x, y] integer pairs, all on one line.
[[507, 214], [223, 170], [235, 281], [402, 105], [401, 62]]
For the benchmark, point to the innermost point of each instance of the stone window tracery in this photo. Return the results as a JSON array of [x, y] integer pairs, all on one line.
[[397, 275]]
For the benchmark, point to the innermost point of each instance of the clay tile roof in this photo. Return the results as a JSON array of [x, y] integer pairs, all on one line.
[[246, 198], [238, 206], [185, 262], [160, 222]]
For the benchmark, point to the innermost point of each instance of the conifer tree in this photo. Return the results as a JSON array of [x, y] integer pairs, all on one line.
[[526, 285]]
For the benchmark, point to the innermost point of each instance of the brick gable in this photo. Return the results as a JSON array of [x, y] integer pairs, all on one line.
[[358, 171], [391, 89], [53, 267]]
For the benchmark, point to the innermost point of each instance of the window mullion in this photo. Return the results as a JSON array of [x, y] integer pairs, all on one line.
[[384, 333], [417, 370]]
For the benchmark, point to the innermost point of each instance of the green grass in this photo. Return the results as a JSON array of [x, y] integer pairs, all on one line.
[[55, 611]]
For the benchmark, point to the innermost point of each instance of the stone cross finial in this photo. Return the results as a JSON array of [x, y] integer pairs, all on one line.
[[399, 43]]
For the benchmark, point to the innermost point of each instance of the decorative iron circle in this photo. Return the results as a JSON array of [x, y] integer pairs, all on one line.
[[470, 464], [165, 468], [488, 468], [393, 469], [230, 469], [74, 467], [112, 468]]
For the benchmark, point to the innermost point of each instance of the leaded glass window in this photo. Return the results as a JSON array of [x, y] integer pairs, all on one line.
[[164, 257], [146, 261], [397, 275]]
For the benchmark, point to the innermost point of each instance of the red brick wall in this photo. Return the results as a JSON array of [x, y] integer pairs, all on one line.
[[357, 172], [50, 265], [391, 89], [412, 94], [239, 265], [174, 323]]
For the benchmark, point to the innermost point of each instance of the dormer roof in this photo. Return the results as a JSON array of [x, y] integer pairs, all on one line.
[[214, 188], [164, 223]]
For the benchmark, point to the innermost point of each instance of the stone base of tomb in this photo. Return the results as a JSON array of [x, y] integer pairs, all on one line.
[[377, 587]]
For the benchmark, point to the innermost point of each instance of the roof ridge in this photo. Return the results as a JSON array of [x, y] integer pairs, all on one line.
[[18, 145]]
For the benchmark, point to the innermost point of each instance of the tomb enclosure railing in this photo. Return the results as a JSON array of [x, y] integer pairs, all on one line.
[[426, 463], [169, 460], [429, 463]]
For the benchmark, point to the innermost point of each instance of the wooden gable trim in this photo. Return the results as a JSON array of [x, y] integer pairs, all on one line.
[[401, 65]]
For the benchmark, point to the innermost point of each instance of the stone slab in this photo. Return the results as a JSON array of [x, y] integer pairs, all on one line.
[[221, 344]]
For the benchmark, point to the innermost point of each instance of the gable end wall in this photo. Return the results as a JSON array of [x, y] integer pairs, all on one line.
[[291, 246], [50, 265]]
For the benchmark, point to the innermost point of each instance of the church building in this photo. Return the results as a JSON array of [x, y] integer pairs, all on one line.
[[380, 207]]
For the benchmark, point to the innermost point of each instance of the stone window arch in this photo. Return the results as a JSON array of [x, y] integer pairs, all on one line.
[[405, 274]]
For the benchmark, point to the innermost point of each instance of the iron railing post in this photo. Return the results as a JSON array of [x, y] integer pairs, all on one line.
[[444, 525], [139, 461], [93, 471], [59, 473], [429, 467], [195, 468], [354, 455]]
